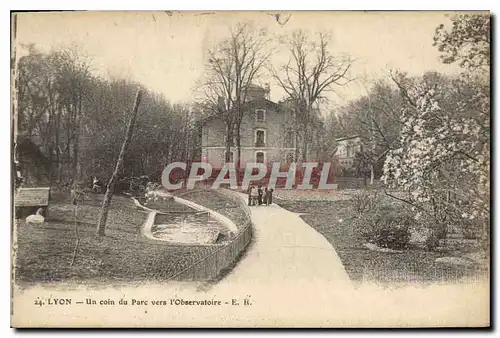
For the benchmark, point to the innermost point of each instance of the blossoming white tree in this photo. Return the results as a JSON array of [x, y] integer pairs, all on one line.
[[442, 160]]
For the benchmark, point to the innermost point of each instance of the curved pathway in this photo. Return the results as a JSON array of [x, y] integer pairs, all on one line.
[[286, 251]]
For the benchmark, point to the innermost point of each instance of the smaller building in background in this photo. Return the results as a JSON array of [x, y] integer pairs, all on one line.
[[347, 147]]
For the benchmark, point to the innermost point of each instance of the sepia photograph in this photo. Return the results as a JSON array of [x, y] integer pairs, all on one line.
[[253, 169]]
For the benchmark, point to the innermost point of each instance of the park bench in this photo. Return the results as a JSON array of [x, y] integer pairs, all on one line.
[[28, 200]]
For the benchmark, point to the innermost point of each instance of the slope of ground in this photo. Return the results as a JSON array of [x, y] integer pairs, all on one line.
[[44, 253]]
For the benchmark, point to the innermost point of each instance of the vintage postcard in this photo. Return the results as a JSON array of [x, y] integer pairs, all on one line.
[[250, 169]]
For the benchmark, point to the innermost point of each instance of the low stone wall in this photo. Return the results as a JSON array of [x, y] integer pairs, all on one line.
[[212, 265]]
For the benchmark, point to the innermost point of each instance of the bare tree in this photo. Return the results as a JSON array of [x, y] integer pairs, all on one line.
[[376, 118], [311, 71], [72, 78], [232, 67], [101, 225], [52, 89], [63, 108]]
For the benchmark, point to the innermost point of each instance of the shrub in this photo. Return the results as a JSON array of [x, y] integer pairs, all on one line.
[[364, 201], [387, 227]]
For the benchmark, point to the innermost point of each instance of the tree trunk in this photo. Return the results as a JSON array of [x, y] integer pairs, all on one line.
[[296, 145], [229, 138], [76, 142], [69, 127], [74, 165], [372, 138], [238, 152], [101, 225], [187, 144], [57, 146], [50, 165], [305, 138]]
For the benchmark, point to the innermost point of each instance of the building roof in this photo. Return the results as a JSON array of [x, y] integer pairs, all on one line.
[[347, 138], [30, 197], [245, 104]]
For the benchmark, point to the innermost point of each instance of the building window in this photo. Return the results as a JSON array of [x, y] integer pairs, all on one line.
[[290, 140], [350, 151], [229, 157], [260, 115], [260, 157], [260, 138]]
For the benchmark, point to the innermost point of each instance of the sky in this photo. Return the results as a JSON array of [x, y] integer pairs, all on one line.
[[165, 51]]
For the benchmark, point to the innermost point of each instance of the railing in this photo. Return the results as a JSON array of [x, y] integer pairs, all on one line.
[[260, 144], [211, 266]]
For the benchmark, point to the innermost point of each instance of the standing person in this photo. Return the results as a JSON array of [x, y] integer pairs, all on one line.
[[266, 196], [270, 197], [259, 191], [255, 196]]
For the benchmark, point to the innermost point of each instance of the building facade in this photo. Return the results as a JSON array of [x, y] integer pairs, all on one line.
[[347, 147], [265, 135]]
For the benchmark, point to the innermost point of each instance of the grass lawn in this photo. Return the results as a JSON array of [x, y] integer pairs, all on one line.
[[365, 265], [44, 252]]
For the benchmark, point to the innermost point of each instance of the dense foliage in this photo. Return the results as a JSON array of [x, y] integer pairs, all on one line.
[[77, 121]]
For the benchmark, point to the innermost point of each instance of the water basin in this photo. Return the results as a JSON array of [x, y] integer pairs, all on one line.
[[191, 228]]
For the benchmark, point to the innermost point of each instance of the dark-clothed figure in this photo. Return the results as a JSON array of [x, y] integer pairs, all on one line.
[[259, 190], [96, 185], [270, 196], [250, 195], [266, 196]]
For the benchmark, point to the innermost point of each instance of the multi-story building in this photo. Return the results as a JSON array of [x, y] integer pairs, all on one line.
[[265, 133]]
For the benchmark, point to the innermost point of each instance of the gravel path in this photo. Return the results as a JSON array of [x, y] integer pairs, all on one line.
[[286, 250]]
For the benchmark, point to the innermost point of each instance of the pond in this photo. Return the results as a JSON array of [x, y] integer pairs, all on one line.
[[185, 225]]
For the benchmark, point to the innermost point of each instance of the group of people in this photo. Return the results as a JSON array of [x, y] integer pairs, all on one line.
[[259, 196], [123, 184]]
